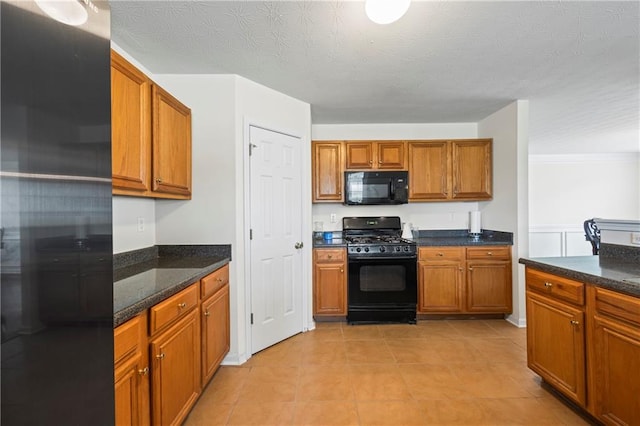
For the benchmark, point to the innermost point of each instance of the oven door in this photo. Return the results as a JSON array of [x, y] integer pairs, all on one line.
[[388, 282]]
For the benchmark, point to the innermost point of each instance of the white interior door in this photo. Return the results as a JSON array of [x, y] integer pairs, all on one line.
[[276, 235]]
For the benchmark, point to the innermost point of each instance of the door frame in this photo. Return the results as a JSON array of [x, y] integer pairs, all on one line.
[[305, 152]]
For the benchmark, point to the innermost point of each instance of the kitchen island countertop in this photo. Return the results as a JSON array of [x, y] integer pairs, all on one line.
[[148, 277], [617, 275]]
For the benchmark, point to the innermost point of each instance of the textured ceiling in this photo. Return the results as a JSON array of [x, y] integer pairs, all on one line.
[[578, 63]]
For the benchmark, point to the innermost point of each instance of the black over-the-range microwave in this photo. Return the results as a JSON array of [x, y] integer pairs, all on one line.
[[375, 188]]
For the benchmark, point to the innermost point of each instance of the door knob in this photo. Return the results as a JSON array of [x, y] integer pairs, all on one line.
[[299, 245]]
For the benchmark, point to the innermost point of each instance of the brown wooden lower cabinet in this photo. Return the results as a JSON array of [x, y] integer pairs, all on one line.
[[586, 347], [329, 282], [132, 373], [464, 280], [175, 379], [162, 360], [215, 332], [556, 345], [615, 353]]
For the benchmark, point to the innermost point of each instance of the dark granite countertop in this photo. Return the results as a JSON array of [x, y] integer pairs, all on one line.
[[440, 237], [333, 243], [604, 272], [461, 237], [143, 278]]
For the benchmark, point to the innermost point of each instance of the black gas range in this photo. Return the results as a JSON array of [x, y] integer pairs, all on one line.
[[382, 279]]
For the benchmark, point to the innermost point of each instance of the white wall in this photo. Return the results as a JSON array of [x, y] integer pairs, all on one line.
[[507, 211], [565, 190], [423, 215]]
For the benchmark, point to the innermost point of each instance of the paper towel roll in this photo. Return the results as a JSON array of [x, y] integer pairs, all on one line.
[[475, 222]]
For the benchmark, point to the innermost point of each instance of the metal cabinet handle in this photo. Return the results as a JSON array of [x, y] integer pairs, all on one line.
[[299, 245], [379, 161], [143, 371], [489, 253], [574, 322], [182, 305], [329, 256], [470, 268], [548, 284], [370, 162], [460, 269], [341, 270], [219, 280], [160, 356], [439, 254], [207, 313], [158, 180]]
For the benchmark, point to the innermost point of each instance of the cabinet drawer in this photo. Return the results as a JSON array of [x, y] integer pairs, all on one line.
[[618, 305], [126, 338], [555, 286], [173, 308], [490, 252], [214, 281], [441, 253], [329, 255]]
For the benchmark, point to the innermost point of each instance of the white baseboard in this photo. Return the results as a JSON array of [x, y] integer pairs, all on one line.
[[518, 322]]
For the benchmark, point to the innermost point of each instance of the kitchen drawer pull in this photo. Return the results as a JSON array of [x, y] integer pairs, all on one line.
[[158, 180], [439, 254], [341, 270], [548, 284], [329, 256], [489, 253], [143, 371], [160, 356], [182, 305], [574, 322], [207, 313], [470, 268]]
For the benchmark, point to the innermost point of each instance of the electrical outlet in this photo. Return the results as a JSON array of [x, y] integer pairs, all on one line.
[[141, 224], [334, 218], [635, 238]]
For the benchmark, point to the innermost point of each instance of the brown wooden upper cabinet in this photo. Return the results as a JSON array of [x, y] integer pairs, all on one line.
[[327, 165], [382, 155], [151, 136], [450, 170]]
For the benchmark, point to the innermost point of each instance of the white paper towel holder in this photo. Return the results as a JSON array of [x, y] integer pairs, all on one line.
[[475, 227]]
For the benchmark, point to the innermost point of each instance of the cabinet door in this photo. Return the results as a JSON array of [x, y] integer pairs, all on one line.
[[130, 394], [130, 126], [617, 372], [359, 155], [428, 165], [175, 383], [471, 170], [329, 289], [556, 345], [327, 171], [489, 287], [171, 144], [215, 332], [391, 155], [440, 287]]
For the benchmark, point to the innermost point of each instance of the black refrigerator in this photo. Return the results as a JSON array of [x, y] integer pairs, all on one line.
[[55, 216]]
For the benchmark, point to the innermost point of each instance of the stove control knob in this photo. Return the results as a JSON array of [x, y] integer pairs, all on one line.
[[358, 249], [366, 249], [406, 248], [382, 249], [398, 248]]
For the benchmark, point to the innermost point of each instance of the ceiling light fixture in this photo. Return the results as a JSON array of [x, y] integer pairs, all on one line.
[[386, 11], [69, 12]]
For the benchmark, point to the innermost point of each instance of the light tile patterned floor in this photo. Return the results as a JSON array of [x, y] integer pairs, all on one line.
[[458, 372]]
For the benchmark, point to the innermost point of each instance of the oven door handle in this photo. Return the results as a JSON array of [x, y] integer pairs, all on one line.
[[374, 258]]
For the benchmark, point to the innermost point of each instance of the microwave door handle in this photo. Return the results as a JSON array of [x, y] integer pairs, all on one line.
[[392, 190]]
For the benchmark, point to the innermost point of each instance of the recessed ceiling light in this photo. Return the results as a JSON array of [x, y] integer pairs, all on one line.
[[386, 11], [69, 12]]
